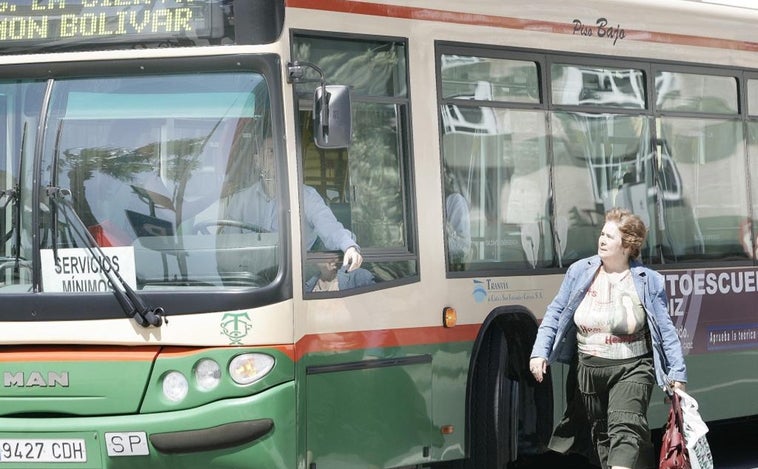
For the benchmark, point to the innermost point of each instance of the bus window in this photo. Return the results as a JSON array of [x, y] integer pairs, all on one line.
[[489, 79], [752, 97], [501, 177], [598, 86], [364, 186], [707, 156], [155, 164], [748, 226], [600, 161], [495, 167], [19, 111], [688, 92], [704, 221]]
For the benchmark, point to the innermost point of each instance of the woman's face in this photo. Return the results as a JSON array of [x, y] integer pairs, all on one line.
[[609, 243]]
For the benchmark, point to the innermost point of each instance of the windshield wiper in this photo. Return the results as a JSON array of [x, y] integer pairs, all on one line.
[[10, 195], [129, 300]]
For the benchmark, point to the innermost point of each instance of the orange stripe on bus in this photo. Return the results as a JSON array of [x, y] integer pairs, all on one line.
[[62, 353], [175, 352], [357, 340], [446, 16], [328, 342], [76, 353]]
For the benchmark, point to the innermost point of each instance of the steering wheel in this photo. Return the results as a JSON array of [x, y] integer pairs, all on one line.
[[8, 264], [18, 276], [202, 227]]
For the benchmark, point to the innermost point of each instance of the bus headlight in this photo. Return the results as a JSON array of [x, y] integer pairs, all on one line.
[[207, 374], [175, 386], [250, 367]]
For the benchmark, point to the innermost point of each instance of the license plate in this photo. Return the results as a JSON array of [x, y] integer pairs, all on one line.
[[58, 450], [126, 444]]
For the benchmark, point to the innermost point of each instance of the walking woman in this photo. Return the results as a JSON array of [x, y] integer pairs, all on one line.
[[610, 319]]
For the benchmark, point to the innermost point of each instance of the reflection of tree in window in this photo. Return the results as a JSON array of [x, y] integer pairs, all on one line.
[[138, 168], [377, 212], [82, 164], [378, 71]]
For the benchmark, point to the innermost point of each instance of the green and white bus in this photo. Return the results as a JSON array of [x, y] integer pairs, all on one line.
[[469, 148]]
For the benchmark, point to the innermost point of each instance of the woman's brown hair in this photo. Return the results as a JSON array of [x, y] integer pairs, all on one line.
[[632, 228]]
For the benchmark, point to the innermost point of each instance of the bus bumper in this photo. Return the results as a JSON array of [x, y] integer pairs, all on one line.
[[223, 436], [254, 431]]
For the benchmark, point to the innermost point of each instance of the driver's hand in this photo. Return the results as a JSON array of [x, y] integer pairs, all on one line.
[[352, 259]]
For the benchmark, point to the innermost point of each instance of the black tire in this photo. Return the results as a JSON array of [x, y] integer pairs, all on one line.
[[491, 405]]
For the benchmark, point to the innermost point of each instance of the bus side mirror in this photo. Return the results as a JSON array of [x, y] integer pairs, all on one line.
[[332, 117]]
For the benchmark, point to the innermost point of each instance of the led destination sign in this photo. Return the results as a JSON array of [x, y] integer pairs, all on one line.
[[39, 24]]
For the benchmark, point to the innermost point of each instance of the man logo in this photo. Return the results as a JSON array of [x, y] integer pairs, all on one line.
[[35, 379]]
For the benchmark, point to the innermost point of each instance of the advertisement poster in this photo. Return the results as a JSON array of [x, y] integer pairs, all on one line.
[[714, 310]]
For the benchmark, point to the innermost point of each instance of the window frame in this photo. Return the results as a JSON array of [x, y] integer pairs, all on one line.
[[53, 306], [406, 173], [545, 60]]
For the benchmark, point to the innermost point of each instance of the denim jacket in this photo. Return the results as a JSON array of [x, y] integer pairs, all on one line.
[[556, 336]]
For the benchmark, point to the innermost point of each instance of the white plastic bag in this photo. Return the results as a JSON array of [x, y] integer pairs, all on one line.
[[694, 433]]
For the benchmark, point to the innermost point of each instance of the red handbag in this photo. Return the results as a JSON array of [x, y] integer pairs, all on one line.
[[674, 447]]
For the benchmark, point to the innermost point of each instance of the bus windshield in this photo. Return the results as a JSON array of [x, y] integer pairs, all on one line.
[[145, 170]]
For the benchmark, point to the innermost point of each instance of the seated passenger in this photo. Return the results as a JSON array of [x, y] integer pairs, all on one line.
[[457, 220], [257, 205], [457, 227]]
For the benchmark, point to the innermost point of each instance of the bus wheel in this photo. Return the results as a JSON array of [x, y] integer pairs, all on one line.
[[492, 395]]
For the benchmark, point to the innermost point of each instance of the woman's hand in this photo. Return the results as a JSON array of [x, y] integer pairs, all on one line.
[[678, 385], [538, 368]]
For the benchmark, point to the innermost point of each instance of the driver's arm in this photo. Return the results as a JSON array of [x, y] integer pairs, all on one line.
[[323, 224]]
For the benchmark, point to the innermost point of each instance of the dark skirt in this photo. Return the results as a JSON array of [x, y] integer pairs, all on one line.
[[606, 415]]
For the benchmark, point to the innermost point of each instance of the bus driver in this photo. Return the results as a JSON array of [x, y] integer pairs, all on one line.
[[257, 205]]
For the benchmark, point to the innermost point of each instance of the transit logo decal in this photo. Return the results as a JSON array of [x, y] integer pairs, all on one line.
[[496, 290], [235, 326], [479, 293], [601, 29]]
